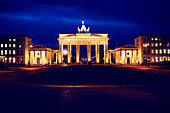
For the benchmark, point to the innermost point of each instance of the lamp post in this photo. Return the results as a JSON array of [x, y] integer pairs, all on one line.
[[30, 46]]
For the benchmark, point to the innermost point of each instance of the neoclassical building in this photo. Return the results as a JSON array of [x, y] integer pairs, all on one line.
[[83, 38], [124, 55]]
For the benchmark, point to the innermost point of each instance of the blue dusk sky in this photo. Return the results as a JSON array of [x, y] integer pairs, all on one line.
[[43, 20]]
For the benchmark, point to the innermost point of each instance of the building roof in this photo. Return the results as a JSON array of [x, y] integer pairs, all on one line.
[[15, 35], [155, 35], [125, 47]]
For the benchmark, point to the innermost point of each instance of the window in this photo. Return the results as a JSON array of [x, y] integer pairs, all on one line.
[[21, 52], [5, 45], [160, 51], [160, 59], [152, 59], [13, 45], [9, 52], [21, 60], [152, 51], [156, 51], [160, 44], [156, 59], [1, 52], [14, 39], [137, 44], [167, 44], [5, 52], [152, 44], [156, 38], [19, 46], [164, 51], [10, 39], [1, 45], [13, 59], [168, 58], [13, 52], [168, 51], [136, 40], [144, 51], [148, 51], [9, 45], [10, 59], [148, 44], [17, 52], [156, 44], [152, 38], [17, 59]]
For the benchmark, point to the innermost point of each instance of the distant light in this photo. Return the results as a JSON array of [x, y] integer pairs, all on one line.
[[65, 52]]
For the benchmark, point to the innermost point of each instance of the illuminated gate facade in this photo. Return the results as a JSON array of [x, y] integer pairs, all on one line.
[[83, 38]]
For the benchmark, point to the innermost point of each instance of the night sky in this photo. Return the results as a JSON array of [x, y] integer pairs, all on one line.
[[43, 20]]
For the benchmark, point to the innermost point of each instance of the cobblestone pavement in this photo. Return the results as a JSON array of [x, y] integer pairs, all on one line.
[[18, 98]]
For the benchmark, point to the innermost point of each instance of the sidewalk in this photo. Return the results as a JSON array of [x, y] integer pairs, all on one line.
[[12, 73]]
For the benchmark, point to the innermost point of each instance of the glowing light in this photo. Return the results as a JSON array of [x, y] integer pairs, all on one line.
[[65, 52]]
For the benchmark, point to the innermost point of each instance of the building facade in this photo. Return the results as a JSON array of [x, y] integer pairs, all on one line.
[[153, 48], [40, 55], [124, 55], [14, 49]]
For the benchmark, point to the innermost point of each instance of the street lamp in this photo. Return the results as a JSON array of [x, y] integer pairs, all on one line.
[[30, 46]]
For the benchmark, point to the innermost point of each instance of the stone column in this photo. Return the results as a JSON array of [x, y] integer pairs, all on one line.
[[34, 61], [97, 53], [125, 57], [41, 57], [105, 53], [88, 52], [60, 53], [132, 60], [46, 60], [77, 54], [69, 53], [56, 57]]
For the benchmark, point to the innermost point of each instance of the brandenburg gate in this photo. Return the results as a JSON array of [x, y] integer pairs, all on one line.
[[83, 37]]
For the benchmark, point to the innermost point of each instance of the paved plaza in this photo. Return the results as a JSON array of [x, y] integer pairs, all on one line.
[[93, 89]]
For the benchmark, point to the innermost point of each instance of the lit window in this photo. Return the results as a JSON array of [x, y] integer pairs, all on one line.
[[152, 59], [9, 52], [5, 52], [156, 44], [156, 38], [156, 51], [13, 52], [160, 44], [156, 59], [5, 45], [1, 45], [13, 59], [152, 44], [168, 58], [13, 45], [10, 39], [160, 59], [9, 45], [14, 39], [10, 59], [168, 51], [167, 44], [160, 51], [19, 46], [164, 50], [1, 52], [152, 51], [152, 38], [148, 44]]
